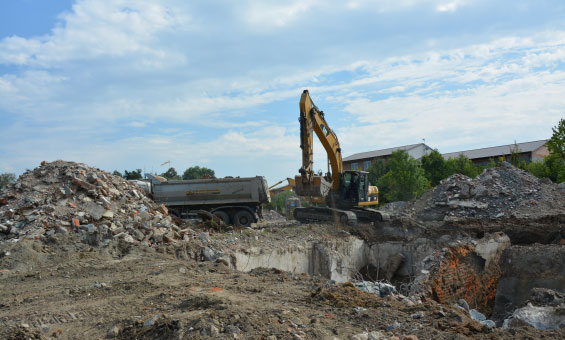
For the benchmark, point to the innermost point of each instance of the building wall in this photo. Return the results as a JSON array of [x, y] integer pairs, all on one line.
[[540, 153], [362, 164], [419, 151], [524, 156]]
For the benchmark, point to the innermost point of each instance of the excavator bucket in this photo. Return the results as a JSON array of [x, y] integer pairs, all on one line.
[[318, 187]]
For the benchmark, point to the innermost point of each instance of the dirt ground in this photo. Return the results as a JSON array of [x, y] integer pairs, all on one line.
[[60, 288]]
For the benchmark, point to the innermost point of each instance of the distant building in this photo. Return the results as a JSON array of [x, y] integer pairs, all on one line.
[[528, 152], [362, 161]]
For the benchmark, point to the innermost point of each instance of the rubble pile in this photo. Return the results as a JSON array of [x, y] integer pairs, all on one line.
[[545, 310], [272, 215], [66, 197], [381, 289], [496, 193]]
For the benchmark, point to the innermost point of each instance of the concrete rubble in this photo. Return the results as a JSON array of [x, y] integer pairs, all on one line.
[[66, 197], [544, 310], [496, 193]]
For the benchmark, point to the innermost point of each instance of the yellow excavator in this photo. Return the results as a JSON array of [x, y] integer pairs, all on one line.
[[347, 193]]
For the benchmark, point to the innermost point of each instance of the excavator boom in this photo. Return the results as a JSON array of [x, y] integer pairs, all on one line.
[[312, 120]]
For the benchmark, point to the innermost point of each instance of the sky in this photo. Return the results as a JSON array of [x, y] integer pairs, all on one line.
[[128, 84]]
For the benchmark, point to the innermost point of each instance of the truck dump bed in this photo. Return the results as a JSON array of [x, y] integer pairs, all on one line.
[[218, 191]]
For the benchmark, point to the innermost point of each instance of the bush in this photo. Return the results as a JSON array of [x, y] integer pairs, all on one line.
[[462, 165], [552, 167], [129, 175]]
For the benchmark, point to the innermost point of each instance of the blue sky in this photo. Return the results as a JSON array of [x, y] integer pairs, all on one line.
[[131, 84]]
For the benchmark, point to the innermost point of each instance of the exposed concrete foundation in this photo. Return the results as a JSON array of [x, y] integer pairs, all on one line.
[[337, 260], [435, 270], [524, 268], [340, 260]]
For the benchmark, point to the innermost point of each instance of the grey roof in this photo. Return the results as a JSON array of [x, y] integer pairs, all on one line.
[[496, 150], [380, 153]]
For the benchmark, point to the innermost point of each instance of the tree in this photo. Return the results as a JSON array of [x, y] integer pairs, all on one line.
[[171, 174], [196, 172], [515, 157], [462, 165], [377, 170], [552, 167], [136, 174], [556, 144], [6, 178], [538, 169], [434, 166], [405, 180], [117, 173]]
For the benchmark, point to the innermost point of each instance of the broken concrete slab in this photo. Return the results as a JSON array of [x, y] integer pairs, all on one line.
[[524, 268]]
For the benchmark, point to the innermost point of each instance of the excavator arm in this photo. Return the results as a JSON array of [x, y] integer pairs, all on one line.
[[274, 191], [312, 120]]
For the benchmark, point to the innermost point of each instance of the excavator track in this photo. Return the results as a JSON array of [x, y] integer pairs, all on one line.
[[325, 214], [368, 215], [351, 217]]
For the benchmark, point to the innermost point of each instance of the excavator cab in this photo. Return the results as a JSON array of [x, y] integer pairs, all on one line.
[[353, 188]]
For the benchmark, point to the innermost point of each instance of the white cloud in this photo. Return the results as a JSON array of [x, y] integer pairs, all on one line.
[[95, 29], [267, 14], [449, 6]]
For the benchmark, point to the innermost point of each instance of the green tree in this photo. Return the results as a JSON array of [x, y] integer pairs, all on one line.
[[435, 167], [117, 173], [196, 172], [556, 144], [538, 169], [462, 165], [6, 178], [515, 157], [136, 174], [405, 180], [491, 163], [170, 174], [278, 201], [552, 167], [377, 170]]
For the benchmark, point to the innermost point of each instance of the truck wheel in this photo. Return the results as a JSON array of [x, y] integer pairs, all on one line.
[[243, 218], [223, 216]]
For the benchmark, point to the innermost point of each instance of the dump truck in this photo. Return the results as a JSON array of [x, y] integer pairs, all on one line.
[[236, 201]]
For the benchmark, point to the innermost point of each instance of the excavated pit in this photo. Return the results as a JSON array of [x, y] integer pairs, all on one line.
[[441, 268]]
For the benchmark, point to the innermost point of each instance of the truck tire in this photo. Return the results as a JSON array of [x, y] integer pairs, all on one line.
[[223, 216], [243, 218]]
